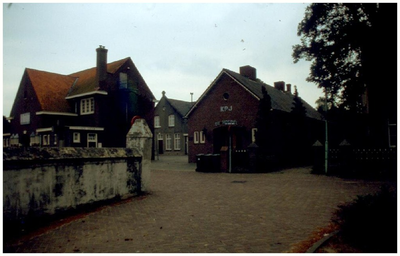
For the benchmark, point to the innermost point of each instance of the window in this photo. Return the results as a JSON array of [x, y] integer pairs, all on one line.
[[196, 138], [25, 118], [168, 145], [123, 80], [87, 106], [171, 120], [76, 137], [55, 139], [225, 96], [177, 141], [202, 137], [6, 142], [253, 135], [157, 122], [160, 136], [46, 140], [92, 140]]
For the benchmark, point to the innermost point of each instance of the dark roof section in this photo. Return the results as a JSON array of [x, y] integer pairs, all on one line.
[[280, 100], [51, 89], [182, 107], [87, 78]]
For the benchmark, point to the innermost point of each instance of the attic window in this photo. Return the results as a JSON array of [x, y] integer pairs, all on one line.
[[225, 96], [25, 118], [123, 80]]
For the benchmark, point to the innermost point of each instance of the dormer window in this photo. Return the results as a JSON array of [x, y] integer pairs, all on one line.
[[87, 106], [123, 80]]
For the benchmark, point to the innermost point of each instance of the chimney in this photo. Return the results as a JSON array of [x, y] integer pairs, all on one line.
[[249, 72], [280, 85], [101, 67], [289, 88]]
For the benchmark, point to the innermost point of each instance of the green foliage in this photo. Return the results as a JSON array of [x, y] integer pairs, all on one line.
[[370, 222], [342, 40], [263, 119]]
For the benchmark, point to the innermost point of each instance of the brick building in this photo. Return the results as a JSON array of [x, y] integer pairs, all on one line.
[[170, 127], [224, 117], [89, 108]]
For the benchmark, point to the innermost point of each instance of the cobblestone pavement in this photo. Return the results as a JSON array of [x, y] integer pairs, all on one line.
[[188, 211]]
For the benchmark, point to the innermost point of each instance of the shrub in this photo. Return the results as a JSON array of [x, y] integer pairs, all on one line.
[[370, 222]]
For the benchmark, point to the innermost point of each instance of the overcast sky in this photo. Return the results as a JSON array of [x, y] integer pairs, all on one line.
[[178, 48]]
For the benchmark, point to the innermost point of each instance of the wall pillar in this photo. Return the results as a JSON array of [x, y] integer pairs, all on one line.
[[140, 138]]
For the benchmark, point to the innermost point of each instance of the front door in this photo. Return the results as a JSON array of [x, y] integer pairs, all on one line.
[[233, 139]]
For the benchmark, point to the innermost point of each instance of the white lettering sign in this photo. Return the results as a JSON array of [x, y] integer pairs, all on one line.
[[225, 108]]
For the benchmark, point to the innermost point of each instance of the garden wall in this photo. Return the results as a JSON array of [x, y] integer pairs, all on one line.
[[45, 181]]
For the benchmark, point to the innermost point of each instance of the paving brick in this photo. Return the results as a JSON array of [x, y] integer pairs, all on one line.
[[188, 211]]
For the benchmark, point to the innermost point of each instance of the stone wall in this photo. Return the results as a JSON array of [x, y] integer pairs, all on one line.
[[45, 181]]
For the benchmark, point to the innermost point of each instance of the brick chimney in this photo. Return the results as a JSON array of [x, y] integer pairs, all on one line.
[[101, 67], [289, 88], [249, 72], [280, 85]]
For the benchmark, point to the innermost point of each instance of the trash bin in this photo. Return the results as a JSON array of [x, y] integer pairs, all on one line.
[[215, 163], [207, 163], [200, 163]]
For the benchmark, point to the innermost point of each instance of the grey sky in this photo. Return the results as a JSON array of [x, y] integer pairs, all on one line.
[[178, 48]]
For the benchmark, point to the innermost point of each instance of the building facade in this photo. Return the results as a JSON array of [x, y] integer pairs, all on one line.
[[170, 127], [89, 108], [224, 117]]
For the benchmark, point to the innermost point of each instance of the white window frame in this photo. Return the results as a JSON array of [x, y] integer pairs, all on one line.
[[87, 106], [76, 137], [6, 142], [25, 118], [177, 141], [202, 137], [168, 142], [253, 135], [91, 140], [171, 120], [157, 122], [196, 137], [46, 139]]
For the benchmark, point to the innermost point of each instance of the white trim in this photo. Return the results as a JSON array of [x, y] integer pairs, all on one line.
[[55, 113], [88, 141], [78, 139], [50, 129], [6, 134], [86, 94], [86, 128]]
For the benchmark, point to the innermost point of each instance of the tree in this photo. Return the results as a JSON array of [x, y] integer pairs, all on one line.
[[263, 120], [352, 47], [296, 146]]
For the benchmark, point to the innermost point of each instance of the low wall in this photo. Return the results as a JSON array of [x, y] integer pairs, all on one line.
[[45, 181]]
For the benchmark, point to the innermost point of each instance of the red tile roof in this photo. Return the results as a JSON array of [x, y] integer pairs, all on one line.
[[50, 89]]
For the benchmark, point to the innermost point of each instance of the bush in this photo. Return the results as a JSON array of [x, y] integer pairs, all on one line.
[[370, 222]]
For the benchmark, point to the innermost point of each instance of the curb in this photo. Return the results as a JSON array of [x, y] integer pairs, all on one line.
[[323, 240]]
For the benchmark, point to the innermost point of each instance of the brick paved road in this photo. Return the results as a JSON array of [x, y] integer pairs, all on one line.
[[190, 212]]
